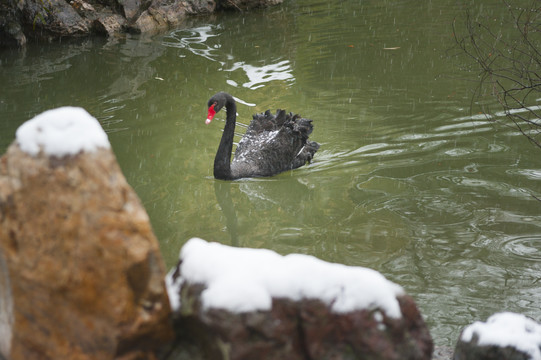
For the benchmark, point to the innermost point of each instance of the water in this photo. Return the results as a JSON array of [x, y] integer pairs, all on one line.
[[407, 181]]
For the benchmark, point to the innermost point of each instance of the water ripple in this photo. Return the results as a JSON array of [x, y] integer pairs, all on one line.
[[523, 247], [531, 174]]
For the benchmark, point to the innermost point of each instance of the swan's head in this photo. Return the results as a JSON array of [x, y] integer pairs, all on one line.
[[215, 104]]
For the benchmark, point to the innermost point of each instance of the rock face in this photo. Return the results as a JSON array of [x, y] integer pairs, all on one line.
[[300, 326], [305, 329], [504, 336], [81, 274], [52, 19]]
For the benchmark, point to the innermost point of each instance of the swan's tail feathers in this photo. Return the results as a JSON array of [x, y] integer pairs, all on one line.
[[310, 149], [302, 126], [305, 155], [281, 118], [267, 121]]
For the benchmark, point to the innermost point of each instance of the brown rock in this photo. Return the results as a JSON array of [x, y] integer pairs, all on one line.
[[306, 330], [11, 34], [361, 335], [83, 8], [54, 18], [81, 274], [133, 8], [468, 351], [164, 14], [108, 24]]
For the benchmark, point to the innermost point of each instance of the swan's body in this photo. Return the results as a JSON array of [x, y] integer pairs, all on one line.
[[272, 143]]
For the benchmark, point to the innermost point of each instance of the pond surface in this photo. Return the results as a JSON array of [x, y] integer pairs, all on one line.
[[407, 181]]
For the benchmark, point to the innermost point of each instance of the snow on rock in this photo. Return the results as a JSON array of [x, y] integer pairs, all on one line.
[[243, 280], [61, 132], [81, 273], [507, 329]]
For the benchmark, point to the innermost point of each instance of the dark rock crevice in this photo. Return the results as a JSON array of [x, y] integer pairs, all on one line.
[[302, 339]]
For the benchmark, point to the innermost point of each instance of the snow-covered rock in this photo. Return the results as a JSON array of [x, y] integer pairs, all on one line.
[[259, 304], [504, 336], [81, 274], [61, 132]]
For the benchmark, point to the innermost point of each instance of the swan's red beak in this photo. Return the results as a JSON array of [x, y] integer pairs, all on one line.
[[211, 114]]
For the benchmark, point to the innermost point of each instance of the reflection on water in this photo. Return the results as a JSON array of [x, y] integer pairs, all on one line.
[[222, 190], [194, 40], [259, 75], [407, 181], [197, 41]]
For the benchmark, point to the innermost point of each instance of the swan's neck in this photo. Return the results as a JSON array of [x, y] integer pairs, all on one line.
[[222, 161]]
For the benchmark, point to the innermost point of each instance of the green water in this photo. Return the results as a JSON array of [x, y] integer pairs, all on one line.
[[407, 180]]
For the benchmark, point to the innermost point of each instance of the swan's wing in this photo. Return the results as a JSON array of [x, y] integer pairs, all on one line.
[[274, 143]]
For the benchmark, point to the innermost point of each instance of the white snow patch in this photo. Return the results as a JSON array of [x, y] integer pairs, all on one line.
[[173, 286], [60, 132], [507, 329], [243, 279]]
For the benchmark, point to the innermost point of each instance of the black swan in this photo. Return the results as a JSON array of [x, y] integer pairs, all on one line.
[[272, 143]]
